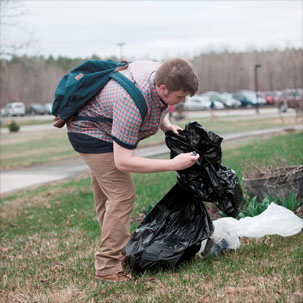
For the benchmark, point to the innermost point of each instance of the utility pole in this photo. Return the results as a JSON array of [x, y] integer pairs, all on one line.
[[256, 86], [121, 44]]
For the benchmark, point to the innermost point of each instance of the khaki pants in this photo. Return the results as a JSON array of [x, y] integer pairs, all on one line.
[[114, 195]]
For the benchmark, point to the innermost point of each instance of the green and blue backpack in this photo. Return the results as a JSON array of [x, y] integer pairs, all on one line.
[[84, 82]]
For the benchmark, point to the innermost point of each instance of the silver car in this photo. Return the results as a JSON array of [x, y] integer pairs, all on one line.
[[197, 103], [13, 109]]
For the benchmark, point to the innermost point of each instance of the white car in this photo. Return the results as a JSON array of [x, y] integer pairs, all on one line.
[[219, 105], [225, 99], [196, 103], [229, 101], [13, 109]]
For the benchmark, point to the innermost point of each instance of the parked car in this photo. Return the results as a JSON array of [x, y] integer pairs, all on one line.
[[36, 109], [48, 108], [269, 96], [248, 98], [229, 101], [13, 109], [218, 105], [215, 97], [261, 98], [289, 98], [197, 103], [225, 99]]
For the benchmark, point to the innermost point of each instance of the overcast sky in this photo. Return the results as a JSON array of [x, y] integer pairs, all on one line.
[[159, 29]]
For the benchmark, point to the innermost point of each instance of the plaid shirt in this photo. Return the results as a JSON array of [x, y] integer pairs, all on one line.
[[113, 102]]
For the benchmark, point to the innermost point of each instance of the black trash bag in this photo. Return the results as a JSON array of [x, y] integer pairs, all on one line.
[[207, 179], [174, 229], [170, 234]]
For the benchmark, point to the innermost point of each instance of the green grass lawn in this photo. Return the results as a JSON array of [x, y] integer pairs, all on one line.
[[282, 150], [49, 236], [25, 121], [27, 148]]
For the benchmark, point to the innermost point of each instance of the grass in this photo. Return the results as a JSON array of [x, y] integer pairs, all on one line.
[[288, 148], [49, 236], [37, 147], [25, 121], [36, 151]]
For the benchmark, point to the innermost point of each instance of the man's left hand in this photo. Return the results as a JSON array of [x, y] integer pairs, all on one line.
[[173, 128]]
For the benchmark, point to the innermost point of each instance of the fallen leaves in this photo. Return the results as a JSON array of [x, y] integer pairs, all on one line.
[[299, 211], [35, 253], [268, 241], [245, 240], [56, 267], [138, 217], [44, 281], [299, 293], [186, 277]]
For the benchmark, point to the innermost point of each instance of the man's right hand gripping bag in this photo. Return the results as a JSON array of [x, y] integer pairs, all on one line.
[[174, 229]]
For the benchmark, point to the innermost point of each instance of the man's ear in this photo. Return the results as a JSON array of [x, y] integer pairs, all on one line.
[[163, 89]]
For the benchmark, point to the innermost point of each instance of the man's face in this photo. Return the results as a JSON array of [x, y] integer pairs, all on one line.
[[171, 98]]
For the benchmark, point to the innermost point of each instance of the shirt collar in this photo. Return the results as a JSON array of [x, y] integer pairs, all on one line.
[[154, 96]]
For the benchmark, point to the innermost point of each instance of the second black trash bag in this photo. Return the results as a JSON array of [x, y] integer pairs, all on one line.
[[170, 234]]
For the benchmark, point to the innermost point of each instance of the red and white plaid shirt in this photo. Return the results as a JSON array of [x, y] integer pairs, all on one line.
[[113, 102]]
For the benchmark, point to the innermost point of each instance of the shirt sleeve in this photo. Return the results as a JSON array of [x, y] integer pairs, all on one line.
[[126, 122]]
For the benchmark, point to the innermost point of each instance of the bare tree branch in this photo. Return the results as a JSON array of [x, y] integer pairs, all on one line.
[[15, 36]]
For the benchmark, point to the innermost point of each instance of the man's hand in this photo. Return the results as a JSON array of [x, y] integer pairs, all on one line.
[[185, 160], [166, 125], [173, 128]]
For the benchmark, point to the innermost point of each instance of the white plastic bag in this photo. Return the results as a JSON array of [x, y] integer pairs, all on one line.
[[275, 220]]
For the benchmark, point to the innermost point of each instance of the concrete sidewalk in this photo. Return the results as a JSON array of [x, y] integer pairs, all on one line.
[[59, 170]]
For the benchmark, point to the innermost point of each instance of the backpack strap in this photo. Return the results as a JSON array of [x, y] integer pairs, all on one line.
[[133, 91]]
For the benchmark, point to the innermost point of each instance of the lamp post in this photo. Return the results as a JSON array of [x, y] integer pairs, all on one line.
[[256, 86], [121, 44]]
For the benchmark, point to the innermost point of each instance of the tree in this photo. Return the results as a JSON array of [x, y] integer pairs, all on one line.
[[14, 35]]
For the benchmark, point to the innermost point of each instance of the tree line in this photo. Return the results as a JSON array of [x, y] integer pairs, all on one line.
[[231, 71], [34, 79]]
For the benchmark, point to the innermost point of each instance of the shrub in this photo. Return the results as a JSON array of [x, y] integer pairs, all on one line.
[[13, 127]]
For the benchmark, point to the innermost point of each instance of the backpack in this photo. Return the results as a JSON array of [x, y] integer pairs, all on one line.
[[84, 82]]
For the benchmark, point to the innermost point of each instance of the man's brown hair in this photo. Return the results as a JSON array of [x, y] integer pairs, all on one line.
[[177, 74]]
